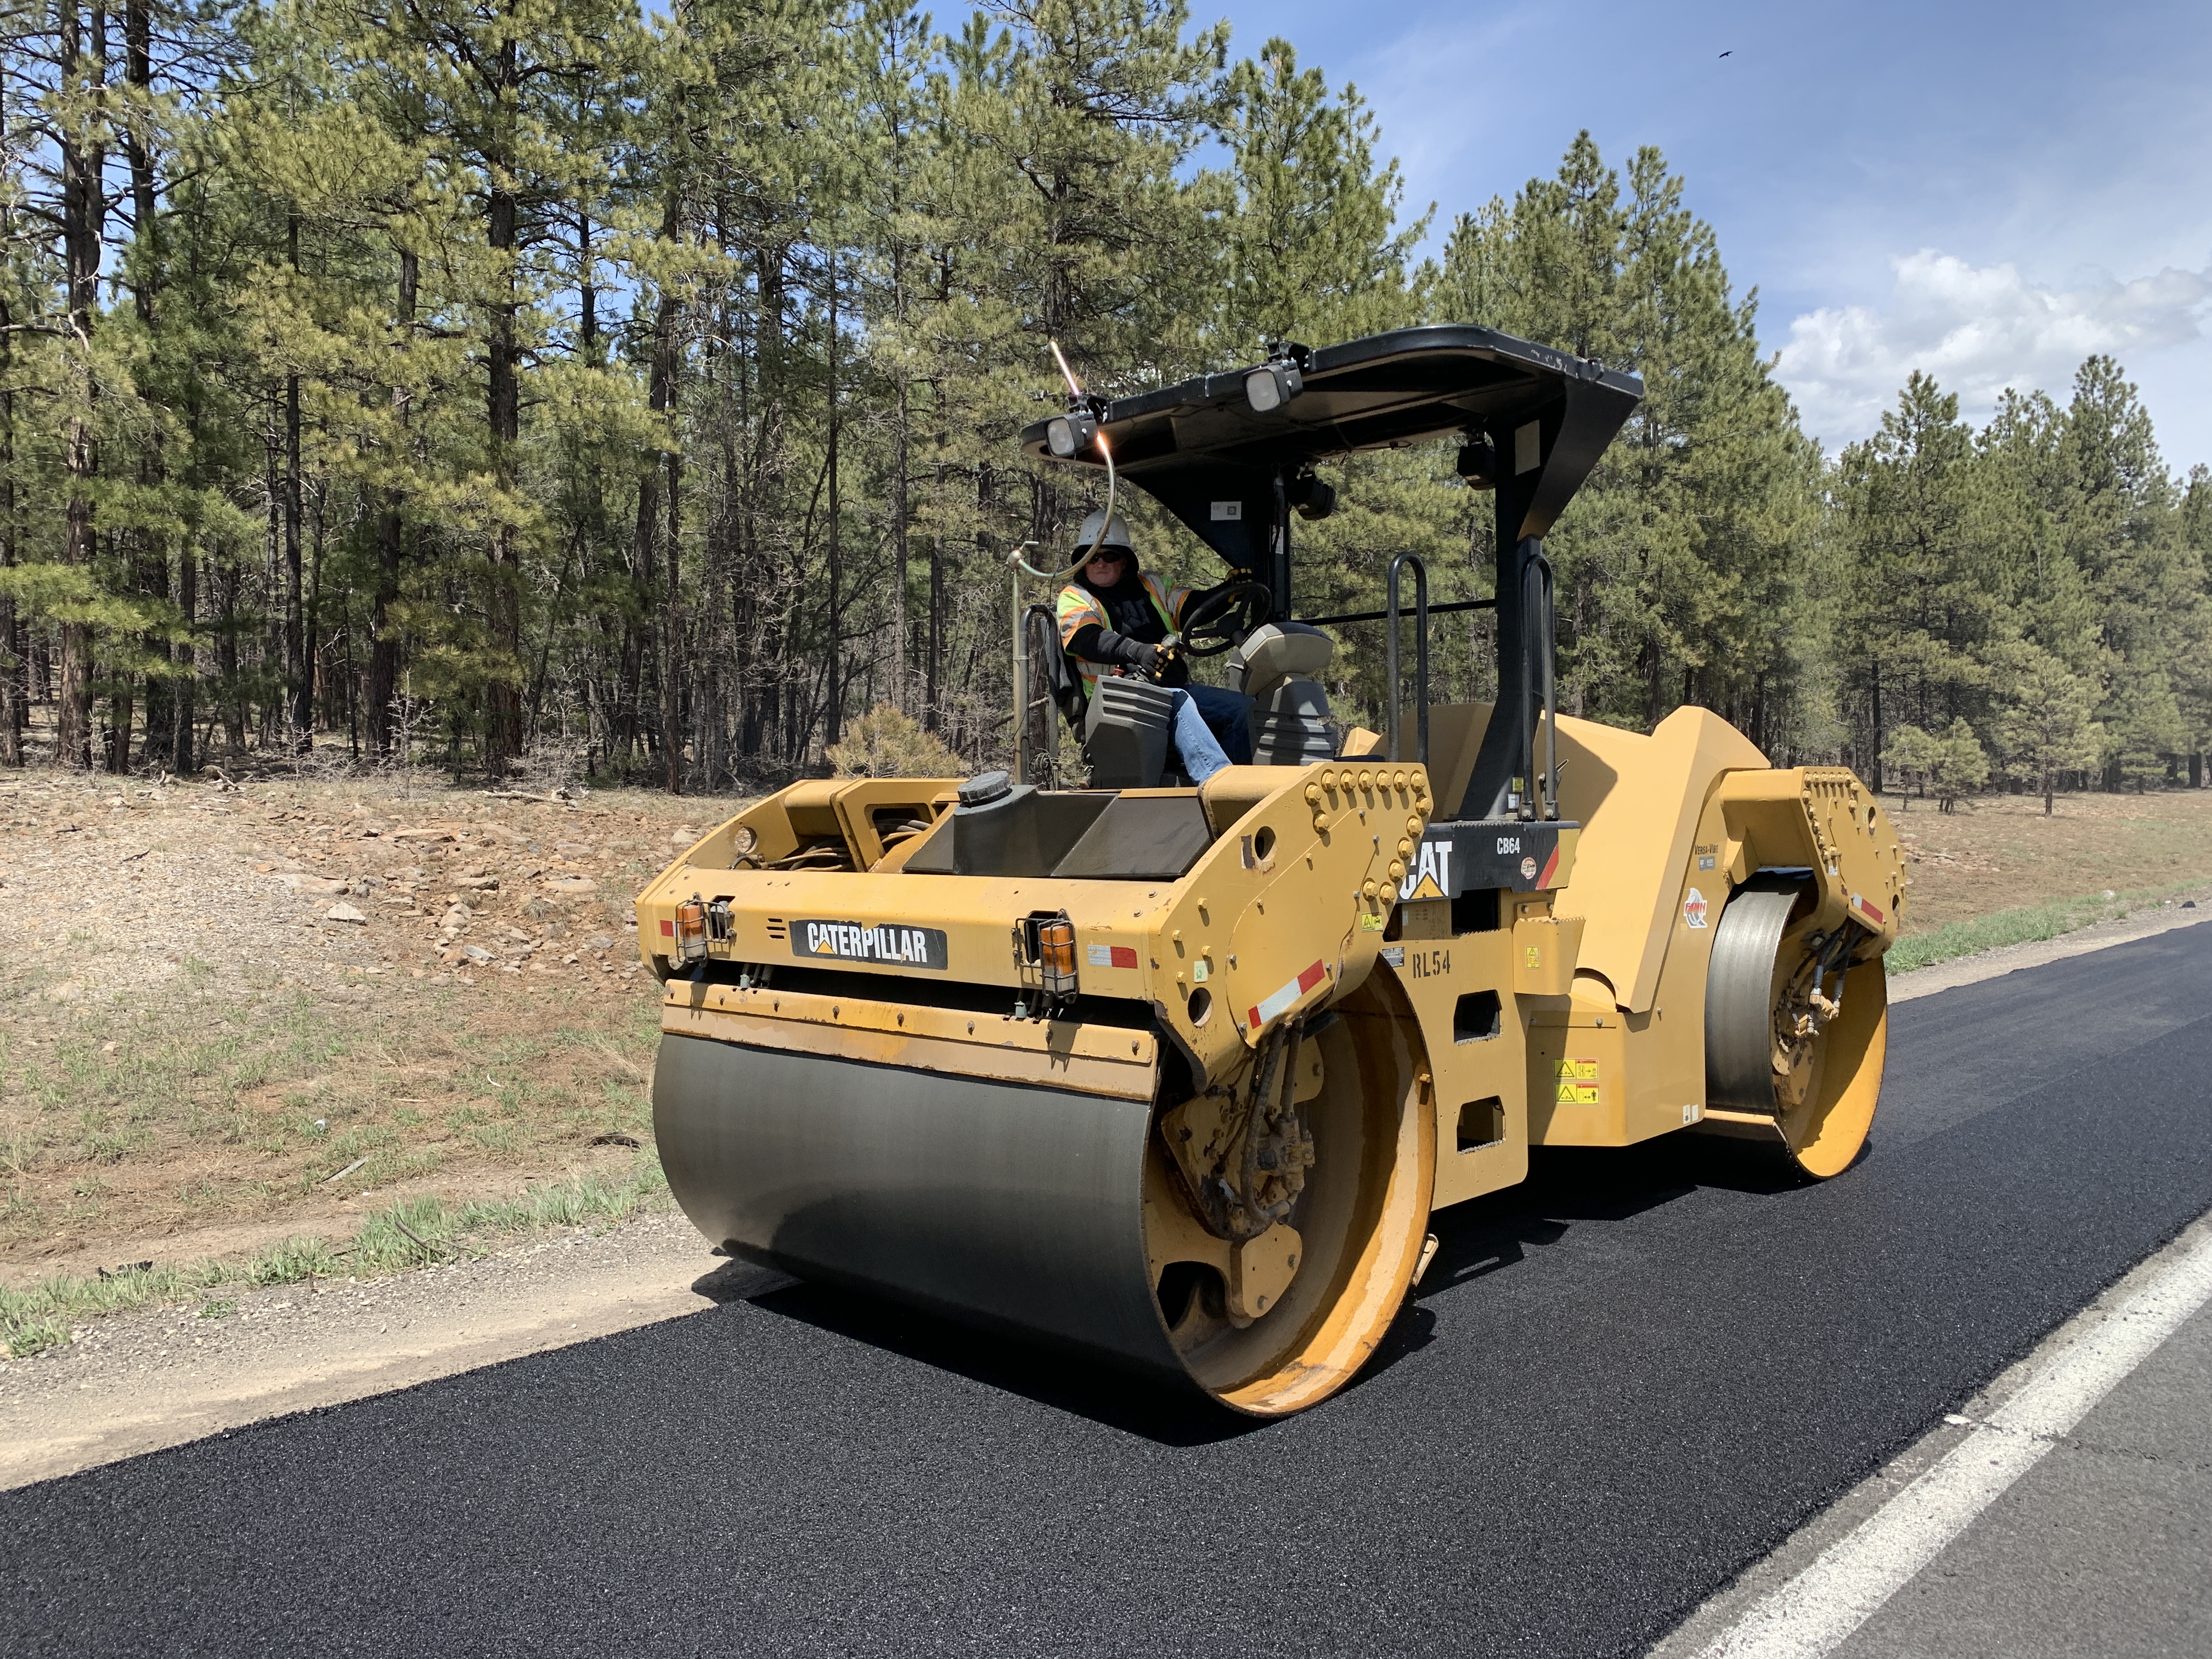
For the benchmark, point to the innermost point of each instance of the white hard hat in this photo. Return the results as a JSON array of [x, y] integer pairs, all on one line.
[[1117, 533]]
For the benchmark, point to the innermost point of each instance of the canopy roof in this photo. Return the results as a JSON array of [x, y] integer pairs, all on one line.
[[1217, 463]]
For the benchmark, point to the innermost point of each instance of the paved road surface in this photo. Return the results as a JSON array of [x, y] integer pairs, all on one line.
[[2104, 1547], [1621, 1384]]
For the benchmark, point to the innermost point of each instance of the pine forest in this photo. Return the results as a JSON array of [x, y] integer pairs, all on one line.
[[580, 392]]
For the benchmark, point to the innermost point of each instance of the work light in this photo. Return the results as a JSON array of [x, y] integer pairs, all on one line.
[[1271, 385], [1068, 435]]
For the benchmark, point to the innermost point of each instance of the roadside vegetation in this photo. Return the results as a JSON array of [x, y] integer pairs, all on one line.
[[2033, 923], [411, 1233]]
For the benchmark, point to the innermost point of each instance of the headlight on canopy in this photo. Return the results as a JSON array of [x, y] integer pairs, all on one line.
[[1069, 436], [1271, 385]]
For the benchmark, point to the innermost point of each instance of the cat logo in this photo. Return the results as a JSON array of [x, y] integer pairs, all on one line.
[[1431, 875]]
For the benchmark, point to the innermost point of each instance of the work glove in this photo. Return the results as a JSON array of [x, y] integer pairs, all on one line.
[[1120, 647]]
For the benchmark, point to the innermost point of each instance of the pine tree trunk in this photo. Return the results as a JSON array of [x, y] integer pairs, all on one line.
[[503, 734], [226, 651], [932, 715], [15, 681], [644, 553], [391, 549], [834, 688], [274, 648], [318, 698], [1875, 670], [151, 575], [299, 708], [185, 657], [672, 635], [900, 695], [83, 227]]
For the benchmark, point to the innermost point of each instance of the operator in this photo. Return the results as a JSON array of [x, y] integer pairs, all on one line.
[[1116, 618]]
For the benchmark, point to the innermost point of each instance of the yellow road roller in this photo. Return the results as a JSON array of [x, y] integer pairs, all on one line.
[[1175, 1076]]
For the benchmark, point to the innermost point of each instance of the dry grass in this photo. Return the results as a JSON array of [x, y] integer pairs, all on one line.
[[408, 1234], [195, 1063], [2000, 853]]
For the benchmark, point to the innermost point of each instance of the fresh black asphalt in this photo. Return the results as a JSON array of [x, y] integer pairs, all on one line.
[[1619, 1385]]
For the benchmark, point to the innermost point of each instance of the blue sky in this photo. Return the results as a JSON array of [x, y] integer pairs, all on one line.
[[1988, 193]]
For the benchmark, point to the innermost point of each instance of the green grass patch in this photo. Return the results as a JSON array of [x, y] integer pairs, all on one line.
[[411, 1233], [305, 1257], [39, 1318], [2024, 926]]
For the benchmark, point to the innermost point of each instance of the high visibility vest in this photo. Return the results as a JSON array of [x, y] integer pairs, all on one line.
[[1079, 607]]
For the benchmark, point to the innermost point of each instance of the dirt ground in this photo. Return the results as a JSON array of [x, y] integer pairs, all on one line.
[[2000, 853], [232, 1012]]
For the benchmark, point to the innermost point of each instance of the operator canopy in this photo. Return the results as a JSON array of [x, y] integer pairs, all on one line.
[[1227, 453]]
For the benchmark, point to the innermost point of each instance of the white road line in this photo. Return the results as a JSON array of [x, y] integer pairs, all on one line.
[[1811, 1614]]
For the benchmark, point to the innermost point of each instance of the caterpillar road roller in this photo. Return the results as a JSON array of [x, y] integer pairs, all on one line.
[[1174, 1077]]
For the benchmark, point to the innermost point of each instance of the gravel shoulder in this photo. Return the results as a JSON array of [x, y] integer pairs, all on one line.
[[136, 1383], [2011, 958]]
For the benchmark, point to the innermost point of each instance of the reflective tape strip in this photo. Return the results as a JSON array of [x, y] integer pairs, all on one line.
[[1281, 998]]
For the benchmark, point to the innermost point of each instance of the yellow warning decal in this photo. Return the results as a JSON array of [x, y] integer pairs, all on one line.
[[1535, 956], [1576, 1082]]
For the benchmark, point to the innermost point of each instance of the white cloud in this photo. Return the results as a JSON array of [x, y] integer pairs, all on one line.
[[1976, 330]]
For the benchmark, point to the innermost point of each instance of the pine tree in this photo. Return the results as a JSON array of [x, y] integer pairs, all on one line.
[[1315, 252], [526, 376], [2045, 724], [1681, 562], [1923, 593]]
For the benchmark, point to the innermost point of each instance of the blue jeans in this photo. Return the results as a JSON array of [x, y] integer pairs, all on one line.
[[1212, 729]]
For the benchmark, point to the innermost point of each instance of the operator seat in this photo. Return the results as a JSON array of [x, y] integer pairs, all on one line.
[[1277, 667]]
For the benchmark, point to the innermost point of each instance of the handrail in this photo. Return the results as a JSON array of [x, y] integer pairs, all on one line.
[[1551, 625], [1420, 655], [1443, 609], [1038, 767], [1539, 631]]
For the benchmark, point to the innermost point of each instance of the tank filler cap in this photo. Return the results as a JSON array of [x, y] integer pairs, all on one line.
[[986, 787]]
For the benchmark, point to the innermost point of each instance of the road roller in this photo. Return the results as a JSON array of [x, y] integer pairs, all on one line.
[[1174, 1077]]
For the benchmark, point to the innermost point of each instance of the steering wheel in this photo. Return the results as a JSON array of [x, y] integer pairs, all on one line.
[[1216, 621]]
